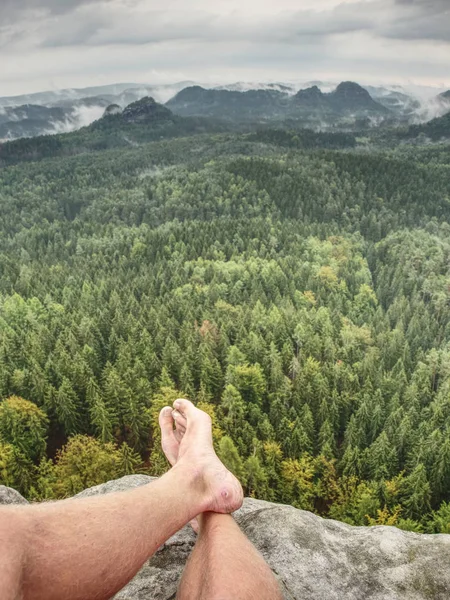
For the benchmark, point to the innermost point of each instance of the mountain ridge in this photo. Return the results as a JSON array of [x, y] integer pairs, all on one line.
[[316, 104], [348, 98]]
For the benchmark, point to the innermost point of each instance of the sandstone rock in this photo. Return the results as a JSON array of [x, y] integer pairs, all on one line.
[[119, 485], [10, 496], [146, 110], [112, 109], [314, 558]]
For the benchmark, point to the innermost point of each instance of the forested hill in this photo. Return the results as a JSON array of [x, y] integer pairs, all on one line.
[[436, 129], [299, 294], [141, 122], [348, 99], [145, 121]]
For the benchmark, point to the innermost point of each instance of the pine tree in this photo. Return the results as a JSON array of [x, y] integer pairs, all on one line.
[[351, 462], [255, 477], [67, 408], [416, 494], [127, 460], [229, 455], [382, 458], [100, 416]]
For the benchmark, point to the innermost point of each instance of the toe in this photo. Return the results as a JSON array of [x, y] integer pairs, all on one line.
[[180, 425], [168, 441], [165, 419], [185, 407], [180, 420]]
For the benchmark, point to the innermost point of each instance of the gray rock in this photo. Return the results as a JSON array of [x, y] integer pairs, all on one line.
[[10, 496], [112, 109], [313, 558], [119, 485]]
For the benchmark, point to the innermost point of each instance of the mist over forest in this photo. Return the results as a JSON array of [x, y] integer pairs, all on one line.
[[314, 102]]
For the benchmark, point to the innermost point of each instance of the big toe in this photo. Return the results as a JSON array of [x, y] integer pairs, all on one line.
[[168, 441], [198, 422]]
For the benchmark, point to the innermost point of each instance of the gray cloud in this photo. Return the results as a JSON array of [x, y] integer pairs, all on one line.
[[113, 23], [420, 20], [103, 22], [104, 36], [12, 11]]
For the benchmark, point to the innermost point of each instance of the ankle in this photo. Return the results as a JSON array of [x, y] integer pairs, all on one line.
[[191, 483], [211, 522]]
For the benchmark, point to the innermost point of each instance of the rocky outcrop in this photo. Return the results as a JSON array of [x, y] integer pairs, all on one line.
[[351, 97], [112, 109], [226, 104], [347, 99], [312, 98], [10, 496], [313, 558], [146, 110]]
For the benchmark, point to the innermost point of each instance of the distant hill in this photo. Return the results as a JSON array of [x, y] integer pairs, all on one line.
[[436, 129], [141, 122], [144, 111], [348, 99], [228, 104], [30, 120], [48, 113], [401, 104], [444, 100], [247, 86], [351, 97], [319, 105], [58, 97], [312, 99]]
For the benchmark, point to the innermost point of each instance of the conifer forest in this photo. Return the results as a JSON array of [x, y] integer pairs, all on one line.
[[294, 284]]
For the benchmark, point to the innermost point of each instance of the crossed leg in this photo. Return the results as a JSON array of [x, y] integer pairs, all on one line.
[[89, 548], [224, 565], [86, 549]]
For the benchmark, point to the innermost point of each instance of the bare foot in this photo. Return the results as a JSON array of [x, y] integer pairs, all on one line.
[[189, 446], [171, 438]]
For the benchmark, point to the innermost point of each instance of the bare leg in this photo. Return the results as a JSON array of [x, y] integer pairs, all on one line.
[[224, 564], [89, 549]]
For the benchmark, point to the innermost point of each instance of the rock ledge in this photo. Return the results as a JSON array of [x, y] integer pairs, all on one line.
[[314, 558]]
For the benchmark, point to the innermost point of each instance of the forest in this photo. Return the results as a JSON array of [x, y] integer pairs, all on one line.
[[295, 285]]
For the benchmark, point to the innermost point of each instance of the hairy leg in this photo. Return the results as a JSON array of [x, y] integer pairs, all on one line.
[[224, 564], [88, 549]]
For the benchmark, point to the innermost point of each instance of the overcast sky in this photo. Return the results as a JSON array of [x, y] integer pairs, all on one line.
[[48, 44]]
